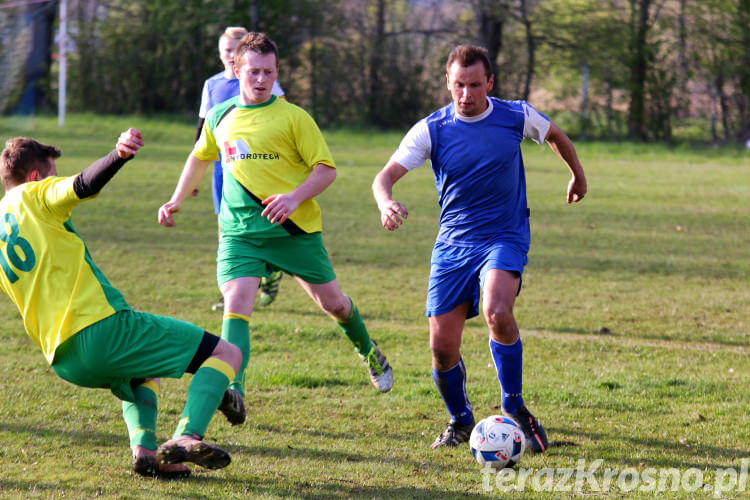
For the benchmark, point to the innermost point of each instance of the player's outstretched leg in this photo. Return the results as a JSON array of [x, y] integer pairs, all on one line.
[[380, 372], [346, 315], [451, 385], [269, 288]]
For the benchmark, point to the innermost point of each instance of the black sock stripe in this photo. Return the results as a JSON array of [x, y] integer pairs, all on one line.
[[204, 351]]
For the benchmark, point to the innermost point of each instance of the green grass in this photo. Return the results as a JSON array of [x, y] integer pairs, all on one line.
[[634, 313]]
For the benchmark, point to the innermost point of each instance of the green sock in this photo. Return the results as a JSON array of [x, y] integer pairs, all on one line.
[[203, 396], [140, 417], [355, 329], [236, 330]]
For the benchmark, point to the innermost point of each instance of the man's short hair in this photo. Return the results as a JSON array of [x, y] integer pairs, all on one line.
[[22, 155], [255, 42], [234, 32], [469, 55]]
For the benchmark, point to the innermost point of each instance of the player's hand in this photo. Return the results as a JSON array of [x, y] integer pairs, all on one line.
[[279, 207], [129, 143], [166, 211], [576, 189], [392, 215]]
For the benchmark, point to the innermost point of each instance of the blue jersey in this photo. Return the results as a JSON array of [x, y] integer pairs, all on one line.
[[217, 89], [479, 171]]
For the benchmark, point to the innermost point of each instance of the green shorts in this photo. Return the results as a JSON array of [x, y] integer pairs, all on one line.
[[299, 255], [125, 346]]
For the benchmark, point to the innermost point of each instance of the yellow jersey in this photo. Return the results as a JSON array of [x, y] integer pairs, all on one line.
[[45, 266], [266, 149]]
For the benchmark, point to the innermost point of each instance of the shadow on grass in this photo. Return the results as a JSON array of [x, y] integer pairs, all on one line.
[[637, 264], [331, 488], [56, 433], [33, 487], [253, 486], [345, 436], [292, 311], [298, 452], [687, 452], [306, 381], [341, 490], [605, 332]]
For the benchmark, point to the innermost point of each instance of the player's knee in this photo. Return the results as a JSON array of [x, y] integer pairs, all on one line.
[[237, 299], [440, 355], [239, 295], [338, 307], [444, 354], [229, 353], [500, 322]]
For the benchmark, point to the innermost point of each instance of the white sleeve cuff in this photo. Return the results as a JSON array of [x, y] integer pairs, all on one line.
[[535, 126], [415, 147]]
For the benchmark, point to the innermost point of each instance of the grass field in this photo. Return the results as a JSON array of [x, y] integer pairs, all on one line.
[[635, 316]]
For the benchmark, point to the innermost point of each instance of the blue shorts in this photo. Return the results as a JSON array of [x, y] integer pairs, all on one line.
[[216, 185], [457, 273]]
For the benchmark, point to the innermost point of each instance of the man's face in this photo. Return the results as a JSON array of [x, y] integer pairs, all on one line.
[[256, 74], [469, 87], [226, 52]]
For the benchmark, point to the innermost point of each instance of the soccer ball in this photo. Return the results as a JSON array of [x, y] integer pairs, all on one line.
[[497, 441]]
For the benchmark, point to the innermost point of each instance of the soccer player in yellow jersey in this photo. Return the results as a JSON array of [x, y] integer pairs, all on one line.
[[84, 326], [275, 162], [220, 87]]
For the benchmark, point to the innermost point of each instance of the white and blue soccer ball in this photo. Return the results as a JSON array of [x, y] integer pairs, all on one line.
[[497, 441]]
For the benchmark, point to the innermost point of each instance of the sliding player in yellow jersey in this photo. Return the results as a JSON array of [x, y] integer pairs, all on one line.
[[275, 162], [84, 326]]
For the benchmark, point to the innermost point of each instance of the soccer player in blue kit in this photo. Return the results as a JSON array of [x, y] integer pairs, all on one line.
[[474, 146]]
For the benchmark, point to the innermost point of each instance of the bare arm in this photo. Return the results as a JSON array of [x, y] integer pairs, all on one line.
[[391, 211], [191, 176], [563, 147], [280, 206]]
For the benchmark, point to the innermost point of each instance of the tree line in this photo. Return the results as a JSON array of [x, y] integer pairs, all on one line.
[[638, 69]]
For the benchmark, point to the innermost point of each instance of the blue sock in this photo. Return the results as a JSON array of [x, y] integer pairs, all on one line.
[[452, 387], [508, 360]]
